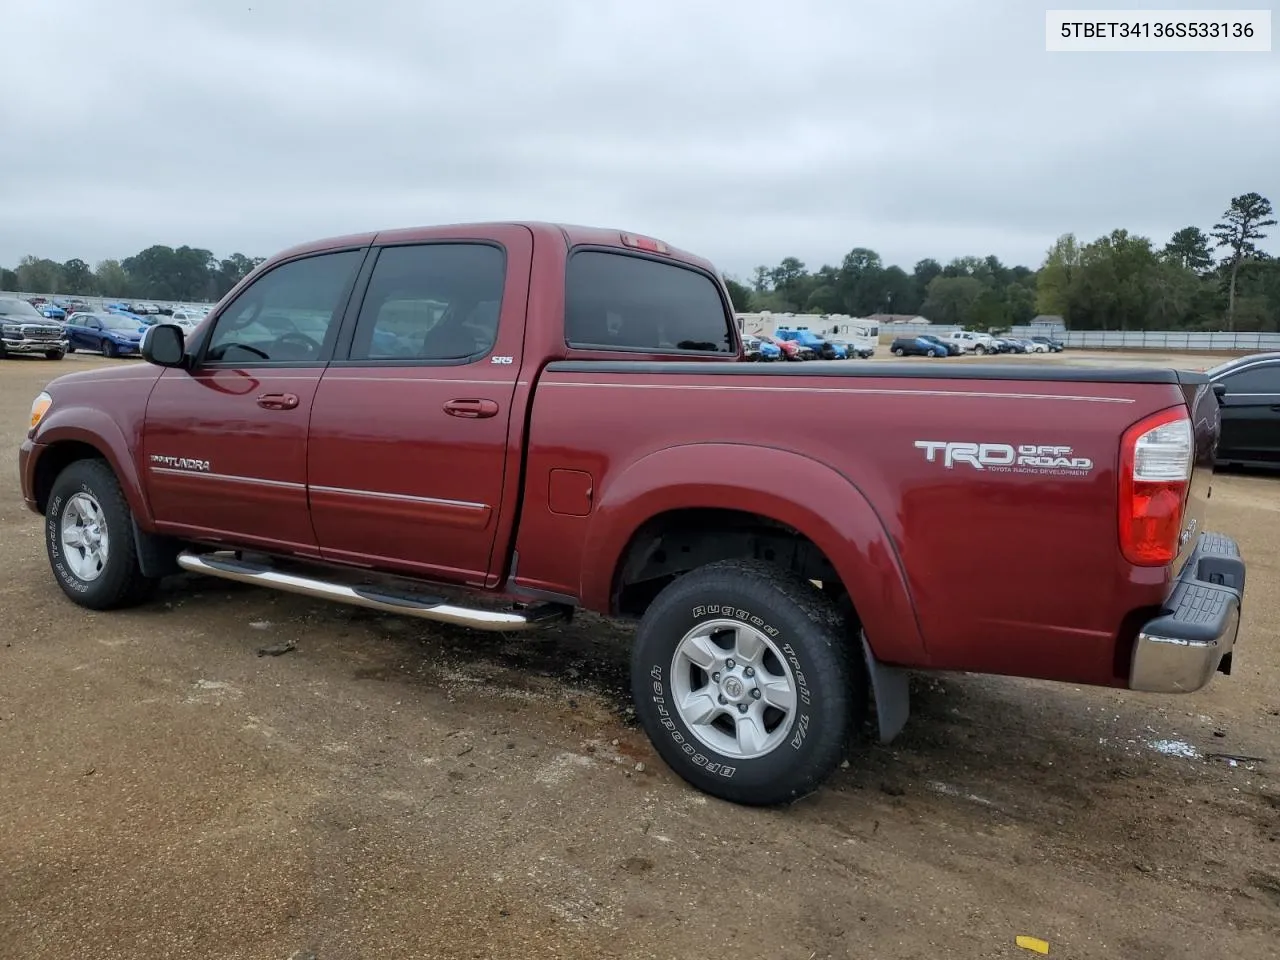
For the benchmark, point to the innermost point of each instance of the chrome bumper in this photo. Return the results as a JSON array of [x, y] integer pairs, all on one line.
[[33, 346], [1194, 638]]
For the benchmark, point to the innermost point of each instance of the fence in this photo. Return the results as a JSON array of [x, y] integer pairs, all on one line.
[[1112, 339], [1170, 340], [1079, 339]]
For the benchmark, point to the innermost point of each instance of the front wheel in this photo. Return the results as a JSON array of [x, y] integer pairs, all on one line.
[[89, 538], [108, 348], [741, 678], [899, 352], [54, 354]]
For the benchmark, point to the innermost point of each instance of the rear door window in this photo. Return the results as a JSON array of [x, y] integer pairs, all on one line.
[[616, 301], [434, 302], [1262, 379]]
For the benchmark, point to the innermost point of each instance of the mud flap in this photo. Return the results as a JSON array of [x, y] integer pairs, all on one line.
[[157, 555], [891, 691]]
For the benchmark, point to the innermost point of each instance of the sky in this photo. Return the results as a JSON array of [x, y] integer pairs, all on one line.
[[744, 131]]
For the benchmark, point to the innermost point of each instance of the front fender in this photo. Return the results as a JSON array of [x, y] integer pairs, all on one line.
[[89, 425], [773, 483]]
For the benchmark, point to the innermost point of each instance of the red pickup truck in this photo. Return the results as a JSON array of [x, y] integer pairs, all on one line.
[[496, 425]]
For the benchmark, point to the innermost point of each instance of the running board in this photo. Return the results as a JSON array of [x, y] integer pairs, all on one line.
[[425, 607]]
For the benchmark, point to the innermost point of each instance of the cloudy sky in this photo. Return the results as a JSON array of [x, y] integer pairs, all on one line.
[[743, 130]]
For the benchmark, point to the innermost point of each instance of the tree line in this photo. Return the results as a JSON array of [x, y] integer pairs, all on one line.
[[188, 274], [1198, 280], [1195, 281]]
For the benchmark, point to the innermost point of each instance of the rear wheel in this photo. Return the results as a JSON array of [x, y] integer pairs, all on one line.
[[980, 350], [89, 539], [741, 678]]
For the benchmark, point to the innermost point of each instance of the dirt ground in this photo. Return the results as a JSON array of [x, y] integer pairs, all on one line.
[[394, 790]]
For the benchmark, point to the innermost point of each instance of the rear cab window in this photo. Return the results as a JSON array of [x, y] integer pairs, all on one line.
[[631, 303]]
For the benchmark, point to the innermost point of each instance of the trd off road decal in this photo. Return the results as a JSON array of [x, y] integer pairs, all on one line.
[[1044, 459], [180, 463]]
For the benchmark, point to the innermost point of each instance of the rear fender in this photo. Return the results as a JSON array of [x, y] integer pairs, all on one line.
[[88, 425], [777, 484]]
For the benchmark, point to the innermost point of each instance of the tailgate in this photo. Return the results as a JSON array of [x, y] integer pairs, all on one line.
[[1198, 393]]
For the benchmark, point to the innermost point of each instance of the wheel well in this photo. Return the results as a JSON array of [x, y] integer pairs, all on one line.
[[56, 459], [678, 541]]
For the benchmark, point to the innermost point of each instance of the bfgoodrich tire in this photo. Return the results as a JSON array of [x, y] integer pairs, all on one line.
[[89, 539], [741, 678]]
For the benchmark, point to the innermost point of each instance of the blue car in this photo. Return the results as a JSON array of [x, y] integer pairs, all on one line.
[[819, 345], [123, 311], [111, 334], [917, 347], [51, 311]]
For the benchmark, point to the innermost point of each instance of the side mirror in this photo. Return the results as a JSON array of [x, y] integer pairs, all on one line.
[[164, 345], [1219, 390]]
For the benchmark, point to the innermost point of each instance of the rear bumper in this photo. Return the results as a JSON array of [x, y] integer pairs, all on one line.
[[1180, 650]]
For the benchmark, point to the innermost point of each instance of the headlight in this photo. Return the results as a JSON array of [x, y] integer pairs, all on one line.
[[39, 407], [12, 329]]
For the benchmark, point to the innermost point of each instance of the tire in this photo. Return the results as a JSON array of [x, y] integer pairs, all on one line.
[[779, 615], [91, 490], [980, 350], [55, 354], [71, 348], [108, 348], [898, 352]]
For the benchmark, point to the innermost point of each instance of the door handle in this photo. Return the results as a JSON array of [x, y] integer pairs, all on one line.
[[1275, 408], [471, 409], [278, 401]]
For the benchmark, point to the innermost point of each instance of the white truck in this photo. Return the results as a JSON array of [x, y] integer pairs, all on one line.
[[970, 342]]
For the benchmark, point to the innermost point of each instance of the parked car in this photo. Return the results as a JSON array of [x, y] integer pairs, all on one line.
[[51, 311], [1032, 345], [818, 345], [111, 334], [917, 347], [1055, 346], [1250, 392], [141, 320], [953, 349], [25, 331], [185, 318], [1009, 345], [852, 349], [751, 349], [769, 351], [779, 579], [790, 349], [970, 341]]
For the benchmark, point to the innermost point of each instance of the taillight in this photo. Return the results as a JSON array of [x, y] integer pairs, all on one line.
[[1155, 471]]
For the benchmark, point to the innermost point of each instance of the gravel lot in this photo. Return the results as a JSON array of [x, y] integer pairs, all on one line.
[[394, 790]]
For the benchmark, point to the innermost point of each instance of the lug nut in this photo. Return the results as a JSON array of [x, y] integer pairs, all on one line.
[[742, 708], [750, 671], [716, 676], [722, 699], [729, 664], [755, 693]]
